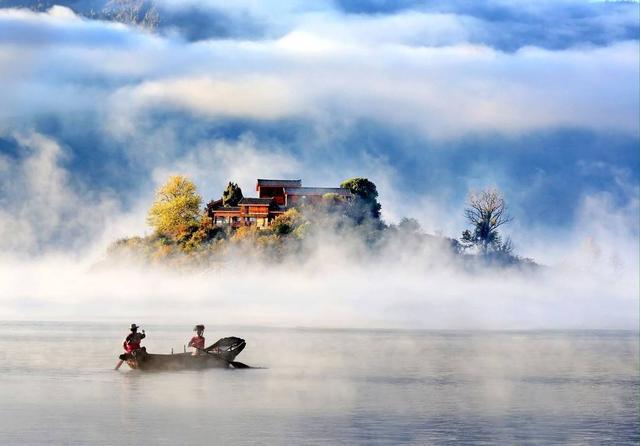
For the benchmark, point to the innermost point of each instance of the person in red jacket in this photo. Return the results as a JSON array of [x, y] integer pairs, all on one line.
[[197, 342], [132, 341]]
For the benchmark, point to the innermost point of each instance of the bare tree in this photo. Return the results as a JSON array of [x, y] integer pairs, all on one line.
[[487, 211]]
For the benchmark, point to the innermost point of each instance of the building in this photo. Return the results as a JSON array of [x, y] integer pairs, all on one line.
[[275, 189], [274, 198]]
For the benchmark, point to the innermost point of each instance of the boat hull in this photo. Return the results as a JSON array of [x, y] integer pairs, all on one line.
[[141, 360]]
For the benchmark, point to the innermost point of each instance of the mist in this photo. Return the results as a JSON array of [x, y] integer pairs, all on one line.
[[587, 279], [95, 119], [335, 281]]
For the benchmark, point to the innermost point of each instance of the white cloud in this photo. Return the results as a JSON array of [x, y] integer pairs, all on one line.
[[249, 97], [327, 65], [212, 165]]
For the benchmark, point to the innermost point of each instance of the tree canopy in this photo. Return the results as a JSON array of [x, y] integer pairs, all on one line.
[[366, 198], [176, 207], [486, 211], [231, 195]]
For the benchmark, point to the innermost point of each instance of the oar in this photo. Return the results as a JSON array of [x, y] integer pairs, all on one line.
[[123, 357], [120, 362], [235, 364]]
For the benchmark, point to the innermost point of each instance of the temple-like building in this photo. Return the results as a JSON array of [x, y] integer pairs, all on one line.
[[274, 198]]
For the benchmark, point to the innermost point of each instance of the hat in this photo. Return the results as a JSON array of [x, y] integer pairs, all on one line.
[[134, 327], [198, 327]]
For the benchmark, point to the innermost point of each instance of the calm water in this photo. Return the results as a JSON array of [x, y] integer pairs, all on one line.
[[58, 386]]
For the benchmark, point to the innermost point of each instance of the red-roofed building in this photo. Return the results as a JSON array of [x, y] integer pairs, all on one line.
[[275, 189], [274, 198]]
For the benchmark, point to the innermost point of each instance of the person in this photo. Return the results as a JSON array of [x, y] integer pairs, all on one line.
[[132, 341], [197, 342]]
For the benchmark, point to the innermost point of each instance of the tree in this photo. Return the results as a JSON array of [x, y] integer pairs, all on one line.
[[287, 222], [487, 211], [333, 203], [366, 203], [176, 208], [331, 199], [231, 195], [410, 225]]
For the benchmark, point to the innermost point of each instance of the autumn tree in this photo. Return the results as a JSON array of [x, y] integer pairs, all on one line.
[[231, 195], [287, 222], [486, 212], [176, 208]]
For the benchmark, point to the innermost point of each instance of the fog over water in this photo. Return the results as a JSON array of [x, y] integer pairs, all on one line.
[[334, 285], [322, 387]]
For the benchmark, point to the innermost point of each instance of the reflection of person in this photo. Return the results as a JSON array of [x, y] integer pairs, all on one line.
[[197, 342], [132, 341]]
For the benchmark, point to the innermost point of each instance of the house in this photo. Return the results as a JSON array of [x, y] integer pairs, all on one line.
[[274, 198]]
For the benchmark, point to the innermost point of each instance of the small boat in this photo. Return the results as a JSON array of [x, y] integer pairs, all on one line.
[[222, 354]]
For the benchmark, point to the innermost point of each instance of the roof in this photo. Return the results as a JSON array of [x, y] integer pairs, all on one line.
[[255, 201], [227, 209], [278, 183], [214, 204], [316, 191]]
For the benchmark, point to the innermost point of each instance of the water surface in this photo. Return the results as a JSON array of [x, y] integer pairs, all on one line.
[[58, 386]]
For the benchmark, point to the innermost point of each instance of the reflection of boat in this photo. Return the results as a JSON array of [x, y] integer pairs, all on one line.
[[219, 355]]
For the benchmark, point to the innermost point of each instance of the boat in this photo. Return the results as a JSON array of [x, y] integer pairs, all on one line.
[[222, 354]]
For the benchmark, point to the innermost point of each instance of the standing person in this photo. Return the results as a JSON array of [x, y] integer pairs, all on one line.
[[197, 342], [132, 341]]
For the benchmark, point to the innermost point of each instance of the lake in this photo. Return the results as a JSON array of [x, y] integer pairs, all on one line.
[[58, 386]]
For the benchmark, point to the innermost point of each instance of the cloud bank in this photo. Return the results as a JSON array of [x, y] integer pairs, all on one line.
[[428, 101]]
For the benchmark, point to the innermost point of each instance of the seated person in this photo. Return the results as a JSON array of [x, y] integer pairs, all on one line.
[[197, 342], [132, 341]]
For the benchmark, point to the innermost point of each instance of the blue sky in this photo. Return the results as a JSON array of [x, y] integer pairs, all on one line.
[[428, 99]]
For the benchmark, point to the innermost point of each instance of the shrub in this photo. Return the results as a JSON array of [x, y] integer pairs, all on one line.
[[287, 222]]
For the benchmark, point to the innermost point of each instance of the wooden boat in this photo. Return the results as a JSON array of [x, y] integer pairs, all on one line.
[[222, 354]]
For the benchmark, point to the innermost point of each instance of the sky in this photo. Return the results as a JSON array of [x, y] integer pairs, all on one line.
[[429, 100]]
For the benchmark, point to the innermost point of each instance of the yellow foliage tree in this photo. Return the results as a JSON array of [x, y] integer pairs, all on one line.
[[287, 222], [176, 207], [245, 233]]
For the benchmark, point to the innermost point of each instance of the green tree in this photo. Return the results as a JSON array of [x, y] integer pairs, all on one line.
[[486, 212], [332, 198], [333, 203], [365, 204], [176, 208], [231, 195]]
